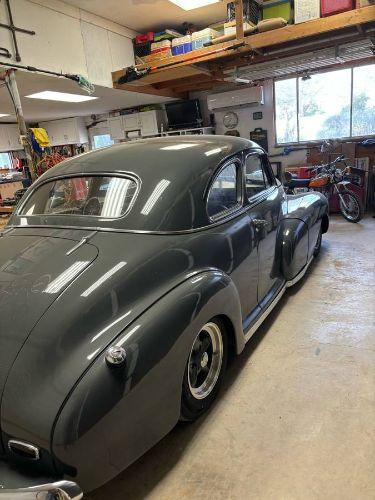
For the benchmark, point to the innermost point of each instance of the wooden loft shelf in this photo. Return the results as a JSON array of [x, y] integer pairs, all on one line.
[[201, 68]]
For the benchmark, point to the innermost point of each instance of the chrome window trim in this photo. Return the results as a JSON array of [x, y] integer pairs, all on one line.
[[56, 178], [267, 189], [91, 229], [239, 191]]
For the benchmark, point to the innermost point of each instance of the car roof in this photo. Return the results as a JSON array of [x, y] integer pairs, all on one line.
[[194, 153], [173, 173]]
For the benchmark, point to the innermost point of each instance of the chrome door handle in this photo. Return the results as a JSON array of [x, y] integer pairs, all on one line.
[[260, 223]]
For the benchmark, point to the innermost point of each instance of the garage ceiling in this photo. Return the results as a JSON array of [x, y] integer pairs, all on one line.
[[146, 15], [38, 110]]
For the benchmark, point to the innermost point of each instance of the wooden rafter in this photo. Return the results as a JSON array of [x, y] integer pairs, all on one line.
[[189, 74]]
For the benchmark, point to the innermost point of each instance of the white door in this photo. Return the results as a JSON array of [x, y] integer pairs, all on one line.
[[131, 122], [116, 127], [149, 123]]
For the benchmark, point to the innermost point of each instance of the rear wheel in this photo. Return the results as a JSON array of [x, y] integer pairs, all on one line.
[[350, 206], [204, 370]]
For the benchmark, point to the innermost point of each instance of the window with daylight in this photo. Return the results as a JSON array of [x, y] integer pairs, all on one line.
[[5, 161], [103, 140], [330, 105]]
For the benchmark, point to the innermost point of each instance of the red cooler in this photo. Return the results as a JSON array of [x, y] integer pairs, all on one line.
[[330, 7]]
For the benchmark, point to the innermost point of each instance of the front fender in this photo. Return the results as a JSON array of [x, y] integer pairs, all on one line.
[[115, 415]]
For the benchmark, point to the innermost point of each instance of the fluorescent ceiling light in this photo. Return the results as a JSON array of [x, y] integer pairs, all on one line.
[[50, 95], [3, 114], [176, 147], [193, 4]]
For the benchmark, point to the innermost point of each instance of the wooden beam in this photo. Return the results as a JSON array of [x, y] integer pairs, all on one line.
[[187, 75], [290, 33], [239, 19], [246, 59], [183, 82], [149, 89]]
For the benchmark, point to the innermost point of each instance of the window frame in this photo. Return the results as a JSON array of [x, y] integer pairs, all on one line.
[[239, 191], [316, 141], [127, 176], [266, 170]]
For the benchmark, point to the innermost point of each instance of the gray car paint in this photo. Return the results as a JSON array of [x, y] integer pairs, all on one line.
[[173, 273]]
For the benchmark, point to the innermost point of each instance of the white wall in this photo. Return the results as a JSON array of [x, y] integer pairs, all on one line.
[[247, 124], [68, 39]]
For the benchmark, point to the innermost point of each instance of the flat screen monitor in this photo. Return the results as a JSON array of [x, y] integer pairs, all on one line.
[[184, 114]]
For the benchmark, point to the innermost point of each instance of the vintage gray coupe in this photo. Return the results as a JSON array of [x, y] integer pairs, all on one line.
[[128, 276]]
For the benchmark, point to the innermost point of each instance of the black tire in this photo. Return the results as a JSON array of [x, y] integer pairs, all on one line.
[[193, 405], [318, 244], [356, 202]]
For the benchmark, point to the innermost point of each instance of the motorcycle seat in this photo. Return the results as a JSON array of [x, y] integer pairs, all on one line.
[[297, 183]]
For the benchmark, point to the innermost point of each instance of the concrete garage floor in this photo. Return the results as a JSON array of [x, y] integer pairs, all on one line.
[[296, 418]]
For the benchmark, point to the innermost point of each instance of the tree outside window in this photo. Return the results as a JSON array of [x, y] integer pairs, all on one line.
[[328, 105]]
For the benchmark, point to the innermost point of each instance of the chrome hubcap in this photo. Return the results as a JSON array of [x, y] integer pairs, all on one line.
[[205, 360]]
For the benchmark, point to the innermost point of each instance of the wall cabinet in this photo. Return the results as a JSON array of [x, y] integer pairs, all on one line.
[[115, 127], [9, 138], [148, 122], [66, 131]]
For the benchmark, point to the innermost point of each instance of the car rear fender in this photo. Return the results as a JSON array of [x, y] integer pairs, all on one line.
[[115, 414], [293, 247]]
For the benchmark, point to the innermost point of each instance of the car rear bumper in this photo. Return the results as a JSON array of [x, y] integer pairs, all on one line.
[[22, 483], [61, 490]]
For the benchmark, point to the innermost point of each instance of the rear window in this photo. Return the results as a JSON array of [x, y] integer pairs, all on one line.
[[95, 196]]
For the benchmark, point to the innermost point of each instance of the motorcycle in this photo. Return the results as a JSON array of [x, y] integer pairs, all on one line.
[[330, 180]]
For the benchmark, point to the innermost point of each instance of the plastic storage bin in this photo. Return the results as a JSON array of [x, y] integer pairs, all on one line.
[[305, 10], [146, 37], [330, 7], [161, 49], [199, 38], [277, 8], [181, 45], [142, 49]]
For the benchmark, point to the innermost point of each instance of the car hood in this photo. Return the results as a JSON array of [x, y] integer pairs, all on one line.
[[35, 269]]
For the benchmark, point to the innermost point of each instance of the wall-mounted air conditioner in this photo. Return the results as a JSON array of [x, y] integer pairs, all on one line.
[[243, 97]]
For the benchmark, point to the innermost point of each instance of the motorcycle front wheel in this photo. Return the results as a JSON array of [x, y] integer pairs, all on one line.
[[350, 206]]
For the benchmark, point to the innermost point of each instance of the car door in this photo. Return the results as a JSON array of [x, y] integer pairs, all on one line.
[[233, 251], [264, 199]]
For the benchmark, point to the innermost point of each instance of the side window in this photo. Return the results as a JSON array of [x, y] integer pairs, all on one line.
[[256, 179], [222, 196]]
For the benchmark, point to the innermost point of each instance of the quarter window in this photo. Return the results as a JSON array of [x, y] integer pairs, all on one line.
[[256, 179], [223, 195]]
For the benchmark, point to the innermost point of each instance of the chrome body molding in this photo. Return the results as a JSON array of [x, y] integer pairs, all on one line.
[[30, 450], [250, 332], [61, 490]]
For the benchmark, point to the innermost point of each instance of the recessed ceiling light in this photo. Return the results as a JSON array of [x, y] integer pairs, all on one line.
[[49, 95], [2, 114], [193, 4]]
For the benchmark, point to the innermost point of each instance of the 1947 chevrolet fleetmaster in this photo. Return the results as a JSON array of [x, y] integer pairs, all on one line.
[[128, 275]]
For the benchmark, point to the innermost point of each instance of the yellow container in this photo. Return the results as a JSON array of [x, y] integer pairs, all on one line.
[[277, 8]]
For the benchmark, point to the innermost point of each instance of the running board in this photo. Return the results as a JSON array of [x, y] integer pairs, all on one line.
[[250, 332]]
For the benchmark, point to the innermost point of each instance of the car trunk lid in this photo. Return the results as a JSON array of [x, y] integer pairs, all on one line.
[[35, 268]]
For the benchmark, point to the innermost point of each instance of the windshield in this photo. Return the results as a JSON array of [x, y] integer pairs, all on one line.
[[95, 196]]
